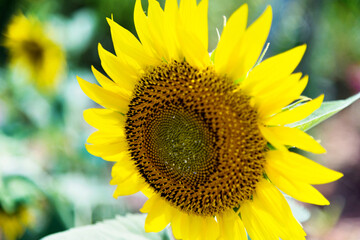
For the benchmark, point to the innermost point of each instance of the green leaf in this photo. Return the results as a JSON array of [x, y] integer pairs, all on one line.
[[326, 110], [126, 227]]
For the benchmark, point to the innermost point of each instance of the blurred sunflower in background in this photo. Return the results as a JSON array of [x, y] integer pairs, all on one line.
[[18, 201], [14, 224], [31, 49], [205, 138]]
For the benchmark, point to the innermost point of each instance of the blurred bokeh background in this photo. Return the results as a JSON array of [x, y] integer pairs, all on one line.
[[48, 181]]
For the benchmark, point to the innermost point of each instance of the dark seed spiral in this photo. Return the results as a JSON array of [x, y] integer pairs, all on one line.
[[195, 139]]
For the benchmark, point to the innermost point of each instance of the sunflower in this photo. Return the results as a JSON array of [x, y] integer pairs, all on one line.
[[13, 225], [32, 50], [205, 138]]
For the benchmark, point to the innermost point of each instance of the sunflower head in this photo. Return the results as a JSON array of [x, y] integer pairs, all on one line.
[[197, 130], [200, 135], [31, 49], [14, 224]]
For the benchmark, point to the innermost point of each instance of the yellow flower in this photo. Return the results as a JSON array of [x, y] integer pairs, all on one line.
[[205, 138], [13, 225], [31, 49]]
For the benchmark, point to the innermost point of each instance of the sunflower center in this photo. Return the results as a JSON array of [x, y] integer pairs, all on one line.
[[34, 51], [181, 145], [194, 139]]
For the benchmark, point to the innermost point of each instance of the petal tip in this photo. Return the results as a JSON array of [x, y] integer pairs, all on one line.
[[138, 6], [79, 79], [322, 150], [318, 149], [147, 228], [86, 113], [112, 182], [325, 202], [115, 195], [82, 83], [244, 9], [110, 21], [337, 175], [304, 46], [302, 49], [305, 78], [100, 48], [142, 210], [87, 147], [268, 11]]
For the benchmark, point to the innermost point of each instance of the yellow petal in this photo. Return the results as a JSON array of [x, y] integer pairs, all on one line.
[[272, 138], [231, 226], [141, 25], [300, 191], [121, 156], [180, 225], [256, 223], [108, 84], [192, 39], [296, 114], [299, 168], [131, 185], [118, 69], [104, 119], [100, 137], [126, 43], [195, 20], [107, 149], [160, 214], [252, 44], [142, 29], [122, 170], [187, 12], [209, 229], [270, 71], [280, 99], [187, 226], [161, 32], [148, 192], [116, 157], [272, 99], [156, 28], [103, 97], [269, 200], [194, 226], [158, 31], [263, 222], [171, 19], [264, 95], [154, 200], [202, 29], [295, 138], [193, 49], [230, 40]]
